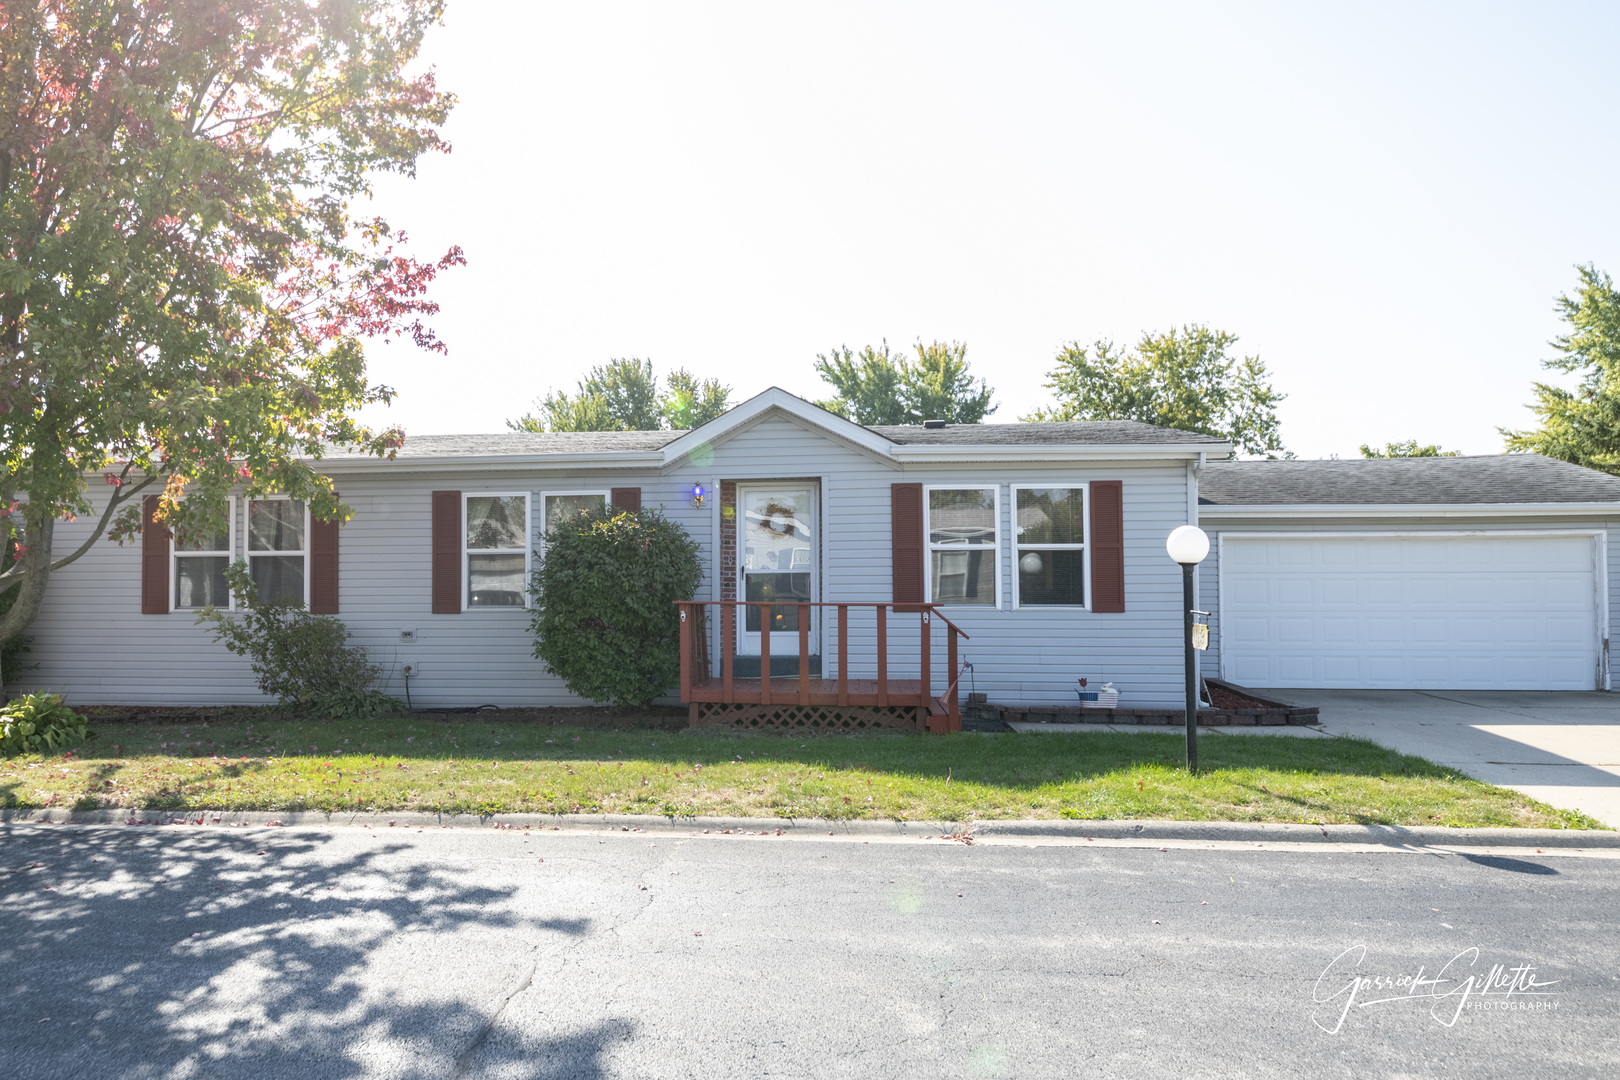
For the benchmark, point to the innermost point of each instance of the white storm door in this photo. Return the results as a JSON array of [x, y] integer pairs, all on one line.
[[1441, 612], [777, 543]]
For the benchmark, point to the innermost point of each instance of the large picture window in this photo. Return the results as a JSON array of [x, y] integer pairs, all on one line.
[[1049, 546], [278, 531], [963, 528], [199, 566], [497, 550]]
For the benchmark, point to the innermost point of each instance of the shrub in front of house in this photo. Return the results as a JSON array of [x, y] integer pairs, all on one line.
[[304, 661], [39, 724], [604, 617]]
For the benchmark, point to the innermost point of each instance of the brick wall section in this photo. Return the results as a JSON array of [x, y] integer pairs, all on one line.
[[728, 539]]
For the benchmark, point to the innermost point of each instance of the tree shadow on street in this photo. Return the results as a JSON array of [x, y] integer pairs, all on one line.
[[150, 952]]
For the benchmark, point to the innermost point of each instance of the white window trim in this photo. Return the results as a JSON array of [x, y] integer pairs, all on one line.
[[1084, 547], [607, 504], [248, 554], [229, 554], [528, 544], [929, 547]]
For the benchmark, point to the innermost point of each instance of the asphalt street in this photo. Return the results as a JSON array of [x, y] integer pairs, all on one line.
[[354, 952]]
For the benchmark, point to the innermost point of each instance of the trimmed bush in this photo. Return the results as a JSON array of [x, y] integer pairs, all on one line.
[[303, 660], [39, 724], [604, 616]]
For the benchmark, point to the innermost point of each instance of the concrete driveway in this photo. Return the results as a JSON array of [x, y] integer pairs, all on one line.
[[1561, 748]]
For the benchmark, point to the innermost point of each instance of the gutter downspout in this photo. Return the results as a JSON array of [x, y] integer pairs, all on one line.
[[1194, 471]]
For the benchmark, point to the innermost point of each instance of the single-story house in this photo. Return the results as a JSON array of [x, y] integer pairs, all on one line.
[[1034, 552]]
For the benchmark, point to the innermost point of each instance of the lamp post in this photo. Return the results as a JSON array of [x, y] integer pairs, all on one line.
[[1188, 545]]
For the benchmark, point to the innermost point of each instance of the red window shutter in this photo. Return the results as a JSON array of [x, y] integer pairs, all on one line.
[[627, 500], [323, 567], [906, 523], [154, 560], [446, 552], [1107, 542]]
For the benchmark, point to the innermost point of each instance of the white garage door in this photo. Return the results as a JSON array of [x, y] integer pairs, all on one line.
[[1443, 613]]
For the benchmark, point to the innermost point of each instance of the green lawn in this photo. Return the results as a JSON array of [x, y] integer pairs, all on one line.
[[477, 765]]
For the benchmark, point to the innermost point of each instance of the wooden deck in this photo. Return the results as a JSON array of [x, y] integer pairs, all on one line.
[[713, 689], [790, 690]]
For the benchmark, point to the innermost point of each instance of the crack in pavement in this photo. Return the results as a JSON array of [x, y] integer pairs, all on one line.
[[464, 1062]]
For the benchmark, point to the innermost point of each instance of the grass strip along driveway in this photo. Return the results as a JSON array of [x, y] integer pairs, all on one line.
[[477, 765]]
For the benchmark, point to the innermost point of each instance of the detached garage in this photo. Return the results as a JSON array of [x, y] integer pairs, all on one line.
[[1417, 573]]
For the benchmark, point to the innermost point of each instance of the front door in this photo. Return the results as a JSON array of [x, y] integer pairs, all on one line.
[[777, 543]]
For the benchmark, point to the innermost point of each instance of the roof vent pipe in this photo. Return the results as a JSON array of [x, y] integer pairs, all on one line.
[[933, 425]]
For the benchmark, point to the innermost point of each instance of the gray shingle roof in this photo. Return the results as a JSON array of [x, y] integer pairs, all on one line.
[[1101, 432], [1106, 432], [1496, 478], [527, 443]]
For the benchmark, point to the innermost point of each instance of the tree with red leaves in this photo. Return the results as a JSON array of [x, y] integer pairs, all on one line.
[[184, 290]]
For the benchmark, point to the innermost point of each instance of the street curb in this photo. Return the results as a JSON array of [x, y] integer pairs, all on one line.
[[1227, 831], [414, 820], [1256, 832]]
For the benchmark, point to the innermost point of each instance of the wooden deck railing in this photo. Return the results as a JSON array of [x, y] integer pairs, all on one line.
[[700, 683]]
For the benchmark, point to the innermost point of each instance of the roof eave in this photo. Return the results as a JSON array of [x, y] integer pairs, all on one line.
[[600, 459], [1056, 451], [1240, 512]]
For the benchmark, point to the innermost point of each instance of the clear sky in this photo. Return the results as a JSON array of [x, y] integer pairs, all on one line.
[[1381, 200]]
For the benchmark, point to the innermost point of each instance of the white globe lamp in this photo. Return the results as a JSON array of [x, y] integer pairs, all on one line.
[[1188, 545]]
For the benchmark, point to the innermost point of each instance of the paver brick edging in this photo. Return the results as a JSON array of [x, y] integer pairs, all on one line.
[[1240, 831]]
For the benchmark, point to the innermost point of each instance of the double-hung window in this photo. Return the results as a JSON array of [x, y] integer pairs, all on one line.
[[963, 530], [199, 566], [497, 550], [278, 531], [1049, 552], [566, 505]]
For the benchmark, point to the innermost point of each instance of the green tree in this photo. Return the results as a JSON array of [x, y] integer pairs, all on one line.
[[184, 292], [691, 403], [1409, 448], [876, 386], [1182, 379], [623, 395], [1581, 425]]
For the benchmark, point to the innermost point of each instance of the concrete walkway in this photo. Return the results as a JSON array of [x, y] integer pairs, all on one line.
[[1560, 748]]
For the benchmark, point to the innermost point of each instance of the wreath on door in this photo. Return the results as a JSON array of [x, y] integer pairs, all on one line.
[[768, 520]]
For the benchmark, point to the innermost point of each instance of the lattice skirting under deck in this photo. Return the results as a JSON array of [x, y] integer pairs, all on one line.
[[807, 717]]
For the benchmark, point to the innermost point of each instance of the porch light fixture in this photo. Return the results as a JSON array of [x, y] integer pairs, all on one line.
[[699, 493], [1188, 545]]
